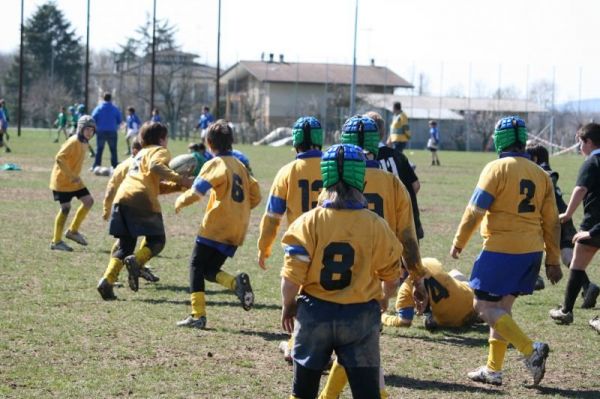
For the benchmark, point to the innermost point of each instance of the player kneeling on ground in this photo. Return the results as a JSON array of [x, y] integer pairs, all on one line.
[[449, 302], [65, 184], [233, 193], [338, 253], [514, 198]]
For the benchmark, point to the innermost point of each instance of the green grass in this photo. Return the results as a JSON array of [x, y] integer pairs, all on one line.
[[58, 339]]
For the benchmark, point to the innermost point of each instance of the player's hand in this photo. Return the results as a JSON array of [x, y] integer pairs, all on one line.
[[179, 203], [581, 235], [383, 304], [288, 312], [554, 273], [261, 260], [420, 295], [186, 181], [105, 215], [455, 251], [564, 217]]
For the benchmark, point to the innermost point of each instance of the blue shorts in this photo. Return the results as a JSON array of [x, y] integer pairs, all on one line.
[[351, 331], [501, 274]]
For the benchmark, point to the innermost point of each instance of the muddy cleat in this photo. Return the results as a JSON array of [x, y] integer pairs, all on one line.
[[133, 268], [191, 322], [77, 237], [146, 274], [590, 296], [106, 290], [595, 324], [243, 290], [285, 349], [483, 374], [560, 317], [539, 284], [61, 246], [536, 362]]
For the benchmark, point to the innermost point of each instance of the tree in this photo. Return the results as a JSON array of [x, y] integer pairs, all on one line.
[[51, 51]]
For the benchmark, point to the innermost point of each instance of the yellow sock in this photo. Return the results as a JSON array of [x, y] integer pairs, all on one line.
[[336, 382], [143, 255], [82, 212], [226, 280], [59, 226], [496, 356], [383, 393], [142, 243], [198, 304], [112, 271], [510, 331], [394, 321]]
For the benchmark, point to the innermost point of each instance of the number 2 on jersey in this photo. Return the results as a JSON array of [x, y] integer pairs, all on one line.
[[527, 188]]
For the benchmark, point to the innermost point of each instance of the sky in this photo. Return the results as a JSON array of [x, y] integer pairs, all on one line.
[[468, 47]]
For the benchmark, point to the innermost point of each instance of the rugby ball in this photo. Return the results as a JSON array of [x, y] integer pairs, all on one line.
[[102, 171], [184, 164]]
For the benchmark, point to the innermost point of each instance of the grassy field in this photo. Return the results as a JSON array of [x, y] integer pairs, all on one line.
[[58, 339]]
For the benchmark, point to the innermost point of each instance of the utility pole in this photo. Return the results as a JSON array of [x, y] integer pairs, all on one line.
[[217, 86], [353, 87], [153, 62], [21, 61], [87, 62]]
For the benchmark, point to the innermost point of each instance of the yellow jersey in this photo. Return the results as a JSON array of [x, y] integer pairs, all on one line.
[[399, 129], [451, 301], [294, 191], [67, 165], [233, 193], [113, 184], [514, 202], [341, 255], [148, 175], [388, 198]]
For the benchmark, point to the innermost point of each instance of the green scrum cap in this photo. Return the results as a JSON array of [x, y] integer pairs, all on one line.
[[307, 130], [343, 162], [509, 130], [361, 131]]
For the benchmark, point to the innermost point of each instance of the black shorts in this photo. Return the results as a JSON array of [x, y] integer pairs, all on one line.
[[66, 196], [592, 242], [486, 296], [129, 221]]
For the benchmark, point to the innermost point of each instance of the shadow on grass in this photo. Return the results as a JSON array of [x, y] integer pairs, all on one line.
[[449, 338], [208, 303], [569, 393], [267, 336], [427, 385]]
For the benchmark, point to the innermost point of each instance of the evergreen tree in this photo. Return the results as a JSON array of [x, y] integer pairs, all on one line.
[[51, 51]]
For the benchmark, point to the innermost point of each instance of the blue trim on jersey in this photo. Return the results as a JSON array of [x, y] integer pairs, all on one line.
[[514, 154], [482, 199], [595, 152], [202, 186], [276, 205], [373, 164], [309, 154], [225, 249], [347, 204], [406, 313], [294, 250]]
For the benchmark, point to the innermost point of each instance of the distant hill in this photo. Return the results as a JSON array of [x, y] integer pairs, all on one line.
[[591, 105]]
